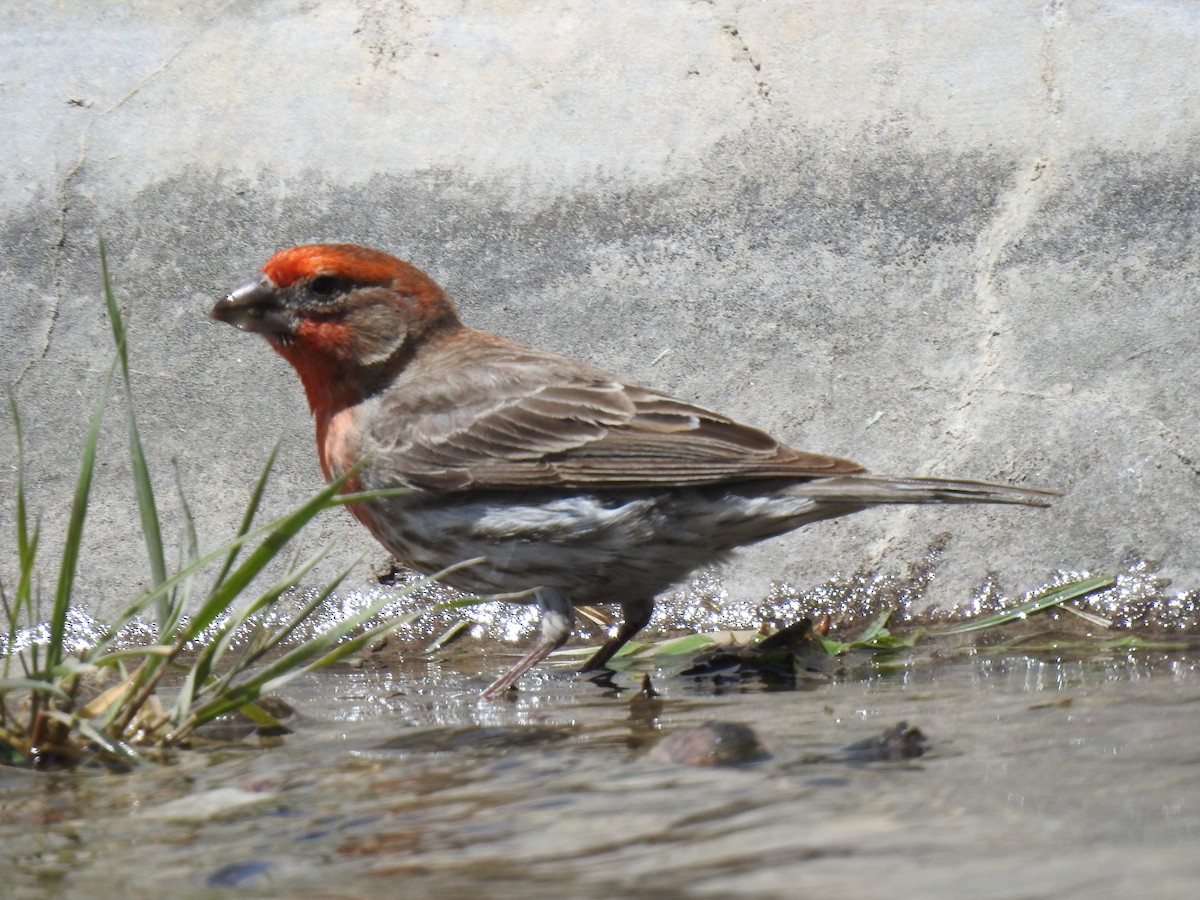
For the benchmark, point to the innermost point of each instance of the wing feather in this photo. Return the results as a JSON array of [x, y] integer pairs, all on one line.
[[523, 418]]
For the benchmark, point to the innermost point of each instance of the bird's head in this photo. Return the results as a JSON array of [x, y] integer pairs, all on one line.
[[342, 315]]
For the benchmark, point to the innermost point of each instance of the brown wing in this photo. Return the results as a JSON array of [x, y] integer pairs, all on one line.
[[506, 416]]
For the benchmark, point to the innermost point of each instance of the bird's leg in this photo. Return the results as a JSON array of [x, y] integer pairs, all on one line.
[[634, 616], [558, 621]]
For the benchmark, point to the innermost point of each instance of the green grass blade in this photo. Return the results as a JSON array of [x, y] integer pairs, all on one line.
[[447, 637], [178, 600], [277, 590], [1051, 598], [204, 681], [310, 656], [254, 651], [322, 650], [11, 636], [27, 544], [112, 747], [281, 532], [247, 517], [139, 603], [25, 599], [139, 652], [876, 629], [257, 642], [303, 613], [143, 487], [32, 684], [291, 522], [74, 538], [188, 691]]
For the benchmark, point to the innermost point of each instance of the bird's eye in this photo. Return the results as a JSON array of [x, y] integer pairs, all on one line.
[[323, 285]]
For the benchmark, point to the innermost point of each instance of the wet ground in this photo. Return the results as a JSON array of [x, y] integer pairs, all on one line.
[[1040, 778]]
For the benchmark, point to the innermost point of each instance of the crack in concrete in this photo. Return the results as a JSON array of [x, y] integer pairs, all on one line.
[[1189, 462], [1034, 182], [1175, 444], [63, 192], [1171, 439], [743, 52]]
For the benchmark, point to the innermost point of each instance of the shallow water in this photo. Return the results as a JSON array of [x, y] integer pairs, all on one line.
[[1041, 779]]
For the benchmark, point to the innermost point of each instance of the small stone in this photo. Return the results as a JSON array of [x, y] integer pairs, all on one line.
[[712, 744]]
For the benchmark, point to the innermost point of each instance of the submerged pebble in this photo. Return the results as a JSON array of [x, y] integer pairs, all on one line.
[[901, 741], [712, 744], [205, 805]]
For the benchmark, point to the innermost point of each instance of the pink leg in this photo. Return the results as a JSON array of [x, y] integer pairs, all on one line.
[[558, 620]]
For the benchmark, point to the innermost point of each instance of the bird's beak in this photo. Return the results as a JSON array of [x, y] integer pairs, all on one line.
[[254, 306]]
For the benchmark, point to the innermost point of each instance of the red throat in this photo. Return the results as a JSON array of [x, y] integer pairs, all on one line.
[[329, 383], [318, 354]]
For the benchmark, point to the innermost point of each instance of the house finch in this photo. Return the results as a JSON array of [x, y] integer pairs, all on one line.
[[575, 486]]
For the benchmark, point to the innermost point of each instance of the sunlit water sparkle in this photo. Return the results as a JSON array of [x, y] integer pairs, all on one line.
[[1140, 600]]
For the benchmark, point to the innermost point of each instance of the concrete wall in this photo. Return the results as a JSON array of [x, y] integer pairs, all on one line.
[[937, 238]]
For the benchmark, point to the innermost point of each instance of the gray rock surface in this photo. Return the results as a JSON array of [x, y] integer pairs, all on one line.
[[945, 240]]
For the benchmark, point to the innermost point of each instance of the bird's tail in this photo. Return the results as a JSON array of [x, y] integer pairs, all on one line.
[[869, 489]]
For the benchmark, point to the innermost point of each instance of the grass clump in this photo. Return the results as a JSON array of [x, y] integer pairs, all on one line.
[[55, 707]]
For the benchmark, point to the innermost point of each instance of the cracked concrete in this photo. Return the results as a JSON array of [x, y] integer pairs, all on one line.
[[936, 239], [743, 50]]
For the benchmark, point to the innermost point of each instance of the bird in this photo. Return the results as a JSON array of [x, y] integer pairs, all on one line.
[[571, 484]]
